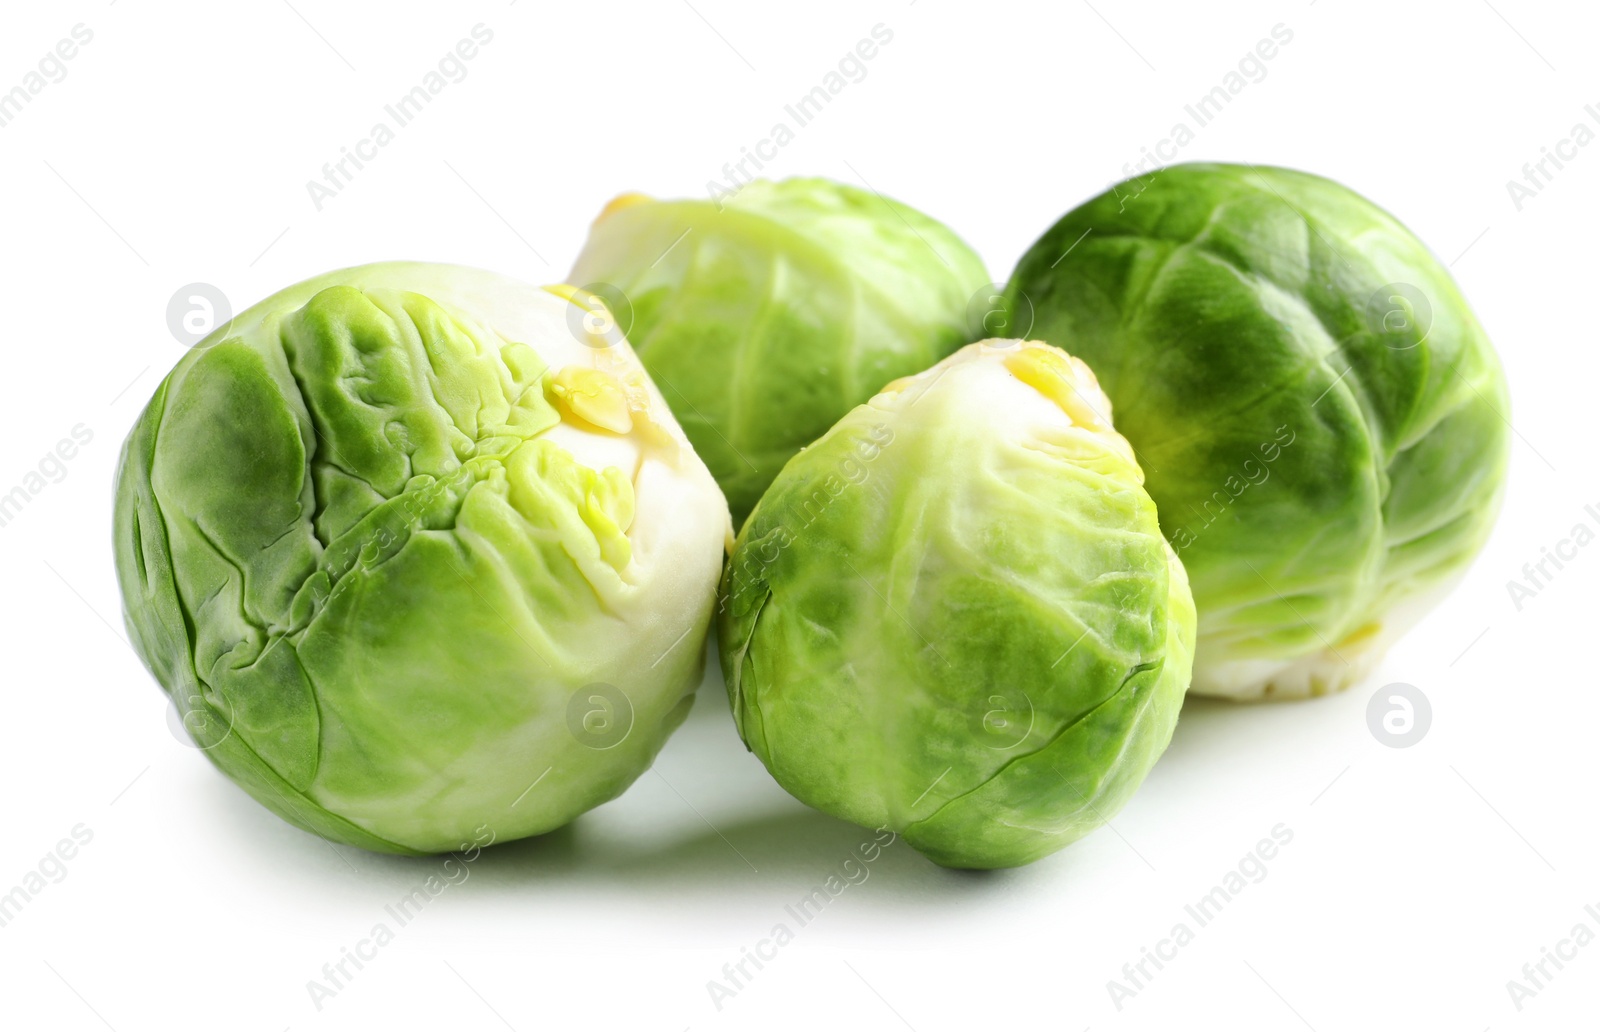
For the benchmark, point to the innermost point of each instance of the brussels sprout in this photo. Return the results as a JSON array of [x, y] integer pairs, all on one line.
[[412, 555], [764, 318], [1321, 420], [955, 615]]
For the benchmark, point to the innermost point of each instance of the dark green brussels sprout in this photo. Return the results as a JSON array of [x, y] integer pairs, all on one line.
[[1321, 420]]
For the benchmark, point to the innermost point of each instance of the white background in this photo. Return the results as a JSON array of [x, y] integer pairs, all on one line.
[[177, 149]]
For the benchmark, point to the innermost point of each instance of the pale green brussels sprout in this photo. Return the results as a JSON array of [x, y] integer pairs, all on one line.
[[955, 615], [1321, 420], [417, 559], [765, 316]]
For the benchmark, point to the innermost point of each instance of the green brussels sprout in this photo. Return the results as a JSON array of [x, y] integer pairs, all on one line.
[[955, 615], [412, 554], [1320, 418], [766, 316]]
